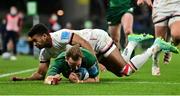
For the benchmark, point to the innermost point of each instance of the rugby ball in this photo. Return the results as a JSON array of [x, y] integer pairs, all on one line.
[[83, 73]]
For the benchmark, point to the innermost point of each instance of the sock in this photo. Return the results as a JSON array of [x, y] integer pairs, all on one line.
[[140, 60], [155, 59], [126, 54], [128, 70]]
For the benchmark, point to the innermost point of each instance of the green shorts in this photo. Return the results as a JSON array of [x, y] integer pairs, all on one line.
[[114, 14]]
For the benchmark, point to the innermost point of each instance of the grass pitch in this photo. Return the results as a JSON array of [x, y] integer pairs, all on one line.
[[140, 83]]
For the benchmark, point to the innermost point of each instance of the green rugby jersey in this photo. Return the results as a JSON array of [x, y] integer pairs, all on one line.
[[59, 65], [119, 3]]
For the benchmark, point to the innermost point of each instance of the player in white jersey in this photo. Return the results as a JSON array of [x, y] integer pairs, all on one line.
[[166, 18], [52, 44]]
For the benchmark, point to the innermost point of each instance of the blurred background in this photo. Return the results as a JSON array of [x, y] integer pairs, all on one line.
[[72, 14]]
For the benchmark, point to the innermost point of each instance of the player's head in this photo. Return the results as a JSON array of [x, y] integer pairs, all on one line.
[[74, 57], [39, 34]]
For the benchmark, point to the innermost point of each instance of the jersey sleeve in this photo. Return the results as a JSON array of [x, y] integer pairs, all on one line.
[[44, 56], [91, 63], [93, 70], [55, 68], [64, 36]]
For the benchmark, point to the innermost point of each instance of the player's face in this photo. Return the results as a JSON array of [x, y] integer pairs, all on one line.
[[42, 41], [74, 64]]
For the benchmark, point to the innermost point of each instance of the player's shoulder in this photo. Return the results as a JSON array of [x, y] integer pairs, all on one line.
[[62, 55], [63, 30], [86, 52], [63, 34]]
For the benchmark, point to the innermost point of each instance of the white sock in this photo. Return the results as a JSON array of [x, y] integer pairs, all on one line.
[[140, 60], [126, 54]]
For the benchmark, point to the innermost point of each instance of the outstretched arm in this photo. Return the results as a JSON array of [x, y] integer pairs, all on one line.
[[52, 80], [38, 75]]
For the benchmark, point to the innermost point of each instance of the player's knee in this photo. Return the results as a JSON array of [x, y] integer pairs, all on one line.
[[176, 36], [128, 31]]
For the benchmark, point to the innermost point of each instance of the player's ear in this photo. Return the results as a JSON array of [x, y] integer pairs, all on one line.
[[45, 36]]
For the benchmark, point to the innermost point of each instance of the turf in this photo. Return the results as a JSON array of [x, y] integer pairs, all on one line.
[[140, 83]]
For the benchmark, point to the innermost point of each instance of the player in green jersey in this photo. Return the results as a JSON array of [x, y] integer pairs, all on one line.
[[76, 64]]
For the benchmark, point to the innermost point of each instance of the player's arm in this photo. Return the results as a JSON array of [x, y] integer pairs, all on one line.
[[38, 75], [76, 39], [93, 72], [52, 80], [53, 72], [74, 78], [90, 80]]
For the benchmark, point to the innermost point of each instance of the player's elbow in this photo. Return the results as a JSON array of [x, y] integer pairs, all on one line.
[[37, 76]]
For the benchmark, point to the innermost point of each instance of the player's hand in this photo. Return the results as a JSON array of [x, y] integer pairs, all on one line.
[[102, 67], [73, 77], [17, 79], [53, 80]]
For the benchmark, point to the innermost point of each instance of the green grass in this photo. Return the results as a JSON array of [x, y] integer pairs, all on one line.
[[142, 82]]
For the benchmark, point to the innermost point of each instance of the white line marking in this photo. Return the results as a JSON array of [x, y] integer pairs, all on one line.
[[116, 82], [102, 82], [141, 82], [131, 82], [19, 72]]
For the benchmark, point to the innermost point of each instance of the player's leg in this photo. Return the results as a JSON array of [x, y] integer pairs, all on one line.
[[167, 55], [113, 61], [109, 54], [127, 23], [160, 31], [114, 31], [113, 16], [137, 62], [174, 24], [133, 40]]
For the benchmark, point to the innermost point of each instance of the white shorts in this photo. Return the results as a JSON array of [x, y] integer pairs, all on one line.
[[165, 15], [100, 41]]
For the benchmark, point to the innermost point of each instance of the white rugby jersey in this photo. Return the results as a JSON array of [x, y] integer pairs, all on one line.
[[60, 41]]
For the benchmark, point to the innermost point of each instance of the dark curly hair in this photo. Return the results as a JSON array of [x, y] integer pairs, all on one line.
[[38, 29]]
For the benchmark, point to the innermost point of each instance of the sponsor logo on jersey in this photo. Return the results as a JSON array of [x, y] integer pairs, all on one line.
[[65, 35]]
